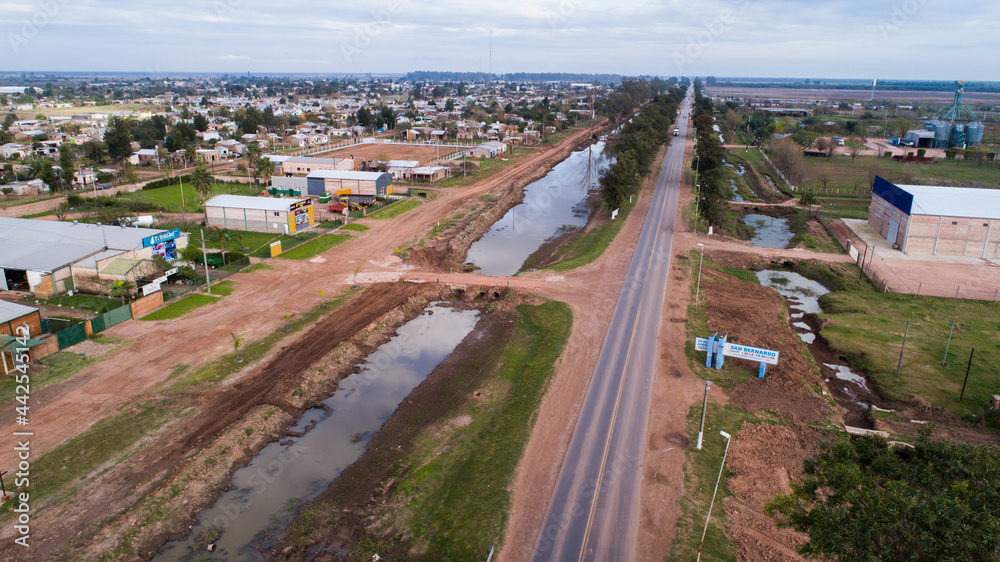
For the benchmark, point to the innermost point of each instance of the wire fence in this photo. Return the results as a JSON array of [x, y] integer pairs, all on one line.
[[886, 279]]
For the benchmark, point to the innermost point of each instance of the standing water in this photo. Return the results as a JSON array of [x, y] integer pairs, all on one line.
[[266, 493], [769, 232], [803, 296], [551, 204]]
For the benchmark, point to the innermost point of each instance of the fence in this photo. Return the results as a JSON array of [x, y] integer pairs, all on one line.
[[886, 279], [777, 171], [111, 318], [71, 336]]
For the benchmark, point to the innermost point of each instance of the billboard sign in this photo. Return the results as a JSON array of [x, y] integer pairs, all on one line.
[[161, 238], [150, 289], [756, 354]]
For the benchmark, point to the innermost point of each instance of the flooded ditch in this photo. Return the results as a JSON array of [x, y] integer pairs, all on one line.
[[264, 497], [769, 232], [851, 390], [552, 205]]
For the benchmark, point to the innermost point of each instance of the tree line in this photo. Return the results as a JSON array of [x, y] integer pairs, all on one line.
[[713, 191], [641, 138]]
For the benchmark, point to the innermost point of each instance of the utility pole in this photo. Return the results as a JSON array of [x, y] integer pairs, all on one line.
[[704, 407], [967, 369], [697, 291], [944, 360], [902, 349], [204, 256]]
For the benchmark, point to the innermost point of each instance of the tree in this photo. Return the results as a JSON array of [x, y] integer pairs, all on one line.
[[122, 289], [252, 155], [265, 168], [853, 147], [7, 191], [862, 499], [202, 181], [200, 123], [67, 164], [118, 138], [47, 174], [236, 348], [365, 117]]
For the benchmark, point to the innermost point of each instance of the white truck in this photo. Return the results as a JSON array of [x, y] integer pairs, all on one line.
[[677, 132]]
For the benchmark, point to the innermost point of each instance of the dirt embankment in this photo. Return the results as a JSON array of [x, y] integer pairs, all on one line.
[[284, 383], [449, 248]]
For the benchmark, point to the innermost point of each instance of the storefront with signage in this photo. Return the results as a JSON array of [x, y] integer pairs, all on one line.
[[260, 214]]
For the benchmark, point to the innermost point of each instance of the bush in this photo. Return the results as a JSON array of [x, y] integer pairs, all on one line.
[[921, 152], [950, 154], [887, 154]]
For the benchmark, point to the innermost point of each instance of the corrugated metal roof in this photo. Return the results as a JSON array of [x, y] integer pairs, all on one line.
[[255, 203], [968, 202], [343, 175], [12, 311], [46, 246]]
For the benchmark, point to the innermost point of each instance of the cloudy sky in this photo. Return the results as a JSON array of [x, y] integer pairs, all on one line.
[[887, 39]]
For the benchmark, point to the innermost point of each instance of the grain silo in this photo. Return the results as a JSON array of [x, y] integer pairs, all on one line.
[[956, 125]]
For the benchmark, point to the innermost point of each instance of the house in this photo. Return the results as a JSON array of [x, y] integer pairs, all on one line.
[[85, 177], [208, 156], [490, 149], [309, 164], [27, 187], [402, 170], [144, 156], [209, 136], [429, 173], [12, 148], [247, 139]]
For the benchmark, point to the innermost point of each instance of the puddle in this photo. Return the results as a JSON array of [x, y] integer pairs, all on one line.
[[769, 232], [803, 296], [845, 374], [266, 493], [552, 205]]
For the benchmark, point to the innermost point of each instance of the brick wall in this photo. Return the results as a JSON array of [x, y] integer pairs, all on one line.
[[147, 304]]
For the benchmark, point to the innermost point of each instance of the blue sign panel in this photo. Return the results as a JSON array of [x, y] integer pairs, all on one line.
[[751, 353], [161, 237]]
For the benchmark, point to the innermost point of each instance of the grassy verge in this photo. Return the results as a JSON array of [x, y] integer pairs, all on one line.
[[313, 248], [16, 201], [224, 366], [223, 288], [487, 167], [701, 469], [866, 328], [355, 227], [396, 209], [453, 522], [83, 457], [590, 244], [258, 267], [181, 307], [54, 368]]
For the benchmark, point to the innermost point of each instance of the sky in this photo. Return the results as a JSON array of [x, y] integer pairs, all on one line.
[[884, 39]]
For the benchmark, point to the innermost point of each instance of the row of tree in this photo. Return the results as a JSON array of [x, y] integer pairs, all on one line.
[[713, 192], [641, 138]]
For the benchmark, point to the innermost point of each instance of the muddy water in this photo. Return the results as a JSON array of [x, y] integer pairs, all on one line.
[[803, 296], [266, 493], [551, 205], [769, 232]]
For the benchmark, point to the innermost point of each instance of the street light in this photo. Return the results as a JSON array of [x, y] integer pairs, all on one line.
[[712, 503], [697, 290]]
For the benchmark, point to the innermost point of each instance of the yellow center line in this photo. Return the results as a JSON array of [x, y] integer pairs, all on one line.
[[621, 384]]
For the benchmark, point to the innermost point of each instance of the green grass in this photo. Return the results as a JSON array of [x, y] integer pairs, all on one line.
[[15, 201], [700, 473], [590, 245], [258, 242], [355, 227], [259, 267], [453, 522], [93, 304], [315, 247], [57, 368], [218, 370], [223, 288], [77, 459], [396, 209], [181, 307], [852, 177], [864, 329], [169, 197]]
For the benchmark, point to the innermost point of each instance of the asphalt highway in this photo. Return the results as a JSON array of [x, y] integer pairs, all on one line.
[[593, 513]]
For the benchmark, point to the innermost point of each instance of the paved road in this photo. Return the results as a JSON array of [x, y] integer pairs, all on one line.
[[593, 513]]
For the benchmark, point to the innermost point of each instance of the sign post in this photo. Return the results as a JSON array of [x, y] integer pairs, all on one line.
[[718, 348]]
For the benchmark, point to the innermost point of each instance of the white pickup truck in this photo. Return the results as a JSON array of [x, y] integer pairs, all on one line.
[[677, 132]]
